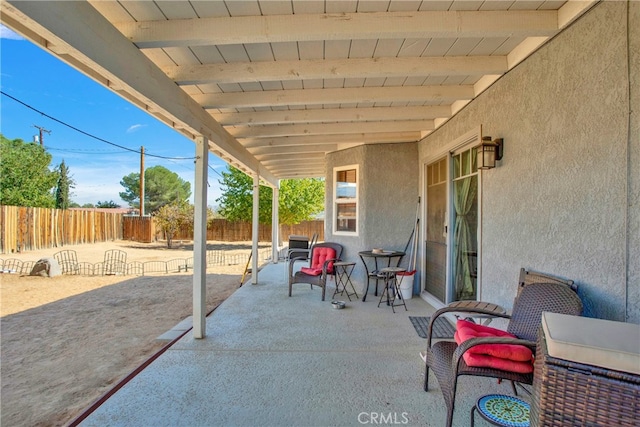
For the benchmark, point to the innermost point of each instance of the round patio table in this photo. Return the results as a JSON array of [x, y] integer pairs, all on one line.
[[374, 273]]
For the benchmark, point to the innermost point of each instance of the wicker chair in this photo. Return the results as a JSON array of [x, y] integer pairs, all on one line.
[[318, 261], [529, 277], [445, 357]]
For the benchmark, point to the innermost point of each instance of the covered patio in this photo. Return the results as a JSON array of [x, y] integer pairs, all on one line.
[[271, 360], [388, 93], [399, 95]]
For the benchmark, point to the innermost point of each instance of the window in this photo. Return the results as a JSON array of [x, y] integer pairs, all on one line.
[[346, 199]]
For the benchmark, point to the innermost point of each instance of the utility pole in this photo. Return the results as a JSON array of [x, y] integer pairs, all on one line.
[[41, 137], [141, 182]]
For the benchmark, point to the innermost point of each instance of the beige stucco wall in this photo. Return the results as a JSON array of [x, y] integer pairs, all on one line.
[[388, 197], [564, 199]]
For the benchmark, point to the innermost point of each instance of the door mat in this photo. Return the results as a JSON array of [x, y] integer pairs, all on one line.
[[442, 328]]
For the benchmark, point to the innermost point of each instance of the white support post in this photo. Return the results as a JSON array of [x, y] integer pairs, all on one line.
[[200, 239], [254, 229], [275, 226]]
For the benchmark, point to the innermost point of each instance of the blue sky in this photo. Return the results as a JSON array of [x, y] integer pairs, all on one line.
[[37, 78]]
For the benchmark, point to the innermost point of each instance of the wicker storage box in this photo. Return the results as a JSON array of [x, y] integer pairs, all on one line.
[[571, 393]]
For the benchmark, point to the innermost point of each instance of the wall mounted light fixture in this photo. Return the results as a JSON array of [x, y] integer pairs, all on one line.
[[489, 151]]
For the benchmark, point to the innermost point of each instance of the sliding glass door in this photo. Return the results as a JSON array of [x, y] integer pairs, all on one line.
[[452, 233]]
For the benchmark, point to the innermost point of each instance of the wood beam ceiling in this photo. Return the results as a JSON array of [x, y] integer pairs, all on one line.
[[340, 26], [335, 115], [275, 85], [305, 97], [265, 71]]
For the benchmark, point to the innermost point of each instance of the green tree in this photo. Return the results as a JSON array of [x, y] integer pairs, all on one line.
[[162, 187], [174, 217], [64, 186], [107, 205], [25, 177], [300, 199]]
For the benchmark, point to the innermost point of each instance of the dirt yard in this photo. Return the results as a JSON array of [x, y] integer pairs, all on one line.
[[67, 340]]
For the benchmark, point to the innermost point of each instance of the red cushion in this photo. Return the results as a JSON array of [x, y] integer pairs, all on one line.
[[320, 255], [466, 330], [484, 361], [311, 271], [508, 357]]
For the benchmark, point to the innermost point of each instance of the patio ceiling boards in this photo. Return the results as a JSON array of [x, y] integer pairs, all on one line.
[[275, 85]]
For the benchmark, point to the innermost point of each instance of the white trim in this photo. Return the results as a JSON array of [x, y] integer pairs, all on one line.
[[335, 201], [431, 300]]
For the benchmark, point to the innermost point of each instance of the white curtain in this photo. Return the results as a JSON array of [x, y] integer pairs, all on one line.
[[465, 194]]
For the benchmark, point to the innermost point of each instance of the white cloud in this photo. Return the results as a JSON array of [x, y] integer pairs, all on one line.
[[98, 182], [6, 33], [135, 128], [83, 194]]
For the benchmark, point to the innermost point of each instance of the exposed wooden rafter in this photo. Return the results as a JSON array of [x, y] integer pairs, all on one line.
[[339, 26], [274, 84]]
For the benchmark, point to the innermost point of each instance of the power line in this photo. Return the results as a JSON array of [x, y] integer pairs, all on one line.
[[85, 150], [91, 135], [211, 167]]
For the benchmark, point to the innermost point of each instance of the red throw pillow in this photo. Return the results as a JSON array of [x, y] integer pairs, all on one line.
[[507, 357], [320, 255], [466, 330], [311, 271]]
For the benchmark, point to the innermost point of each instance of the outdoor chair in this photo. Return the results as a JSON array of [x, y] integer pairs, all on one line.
[[68, 261], [447, 358], [301, 254], [323, 255], [529, 277]]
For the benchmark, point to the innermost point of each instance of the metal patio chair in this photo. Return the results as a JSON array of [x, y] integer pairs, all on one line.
[[445, 358]]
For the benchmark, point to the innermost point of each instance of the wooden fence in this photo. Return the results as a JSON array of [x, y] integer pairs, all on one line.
[[139, 229], [239, 231], [28, 229], [305, 228]]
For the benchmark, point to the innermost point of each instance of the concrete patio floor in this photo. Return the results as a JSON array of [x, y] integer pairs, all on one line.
[[271, 360]]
